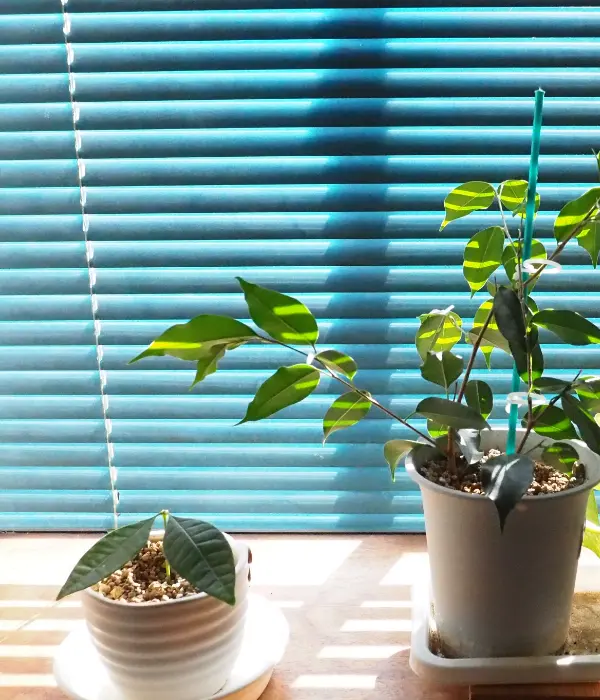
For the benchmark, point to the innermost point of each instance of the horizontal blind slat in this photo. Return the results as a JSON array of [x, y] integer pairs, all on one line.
[[347, 111], [335, 23], [299, 170], [336, 141], [333, 53], [250, 198], [246, 382], [308, 83]]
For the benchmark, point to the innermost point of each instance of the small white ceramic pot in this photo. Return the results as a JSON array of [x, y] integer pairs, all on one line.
[[173, 650], [503, 593]]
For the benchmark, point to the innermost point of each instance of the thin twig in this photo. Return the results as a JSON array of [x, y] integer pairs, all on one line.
[[363, 394], [471, 361], [504, 222], [531, 421], [561, 246]]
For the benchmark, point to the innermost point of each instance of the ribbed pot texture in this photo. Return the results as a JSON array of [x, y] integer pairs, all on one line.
[[503, 593], [176, 650]]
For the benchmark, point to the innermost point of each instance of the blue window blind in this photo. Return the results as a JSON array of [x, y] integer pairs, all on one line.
[[300, 145], [53, 455]]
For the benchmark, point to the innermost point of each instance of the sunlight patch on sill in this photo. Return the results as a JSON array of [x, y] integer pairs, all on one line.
[[26, 651], [402, 604], [295, 604], [57, 625], [27, 680], [411, 568], [346, 681], [302, 561], [355, 651], [377, 626], [39, 604]]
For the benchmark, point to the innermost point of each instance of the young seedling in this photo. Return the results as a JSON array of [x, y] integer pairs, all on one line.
[[196, 550]]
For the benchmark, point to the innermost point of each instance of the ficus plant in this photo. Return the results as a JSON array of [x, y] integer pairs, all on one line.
[[196, 550], [508, 320]]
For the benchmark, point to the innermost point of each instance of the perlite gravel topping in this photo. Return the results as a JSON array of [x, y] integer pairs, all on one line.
[[546, 480], [144, 580]]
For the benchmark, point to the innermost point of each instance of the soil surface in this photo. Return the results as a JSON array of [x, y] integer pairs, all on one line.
[[144, 580], [546, 480]]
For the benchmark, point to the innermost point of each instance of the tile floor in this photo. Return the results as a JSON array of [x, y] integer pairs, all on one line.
[[347, 599]]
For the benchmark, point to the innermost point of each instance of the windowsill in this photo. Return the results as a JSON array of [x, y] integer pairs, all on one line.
[[346, 597]]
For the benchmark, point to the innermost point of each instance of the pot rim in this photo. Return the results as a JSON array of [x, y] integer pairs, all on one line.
[[588, 484], [242, 561]]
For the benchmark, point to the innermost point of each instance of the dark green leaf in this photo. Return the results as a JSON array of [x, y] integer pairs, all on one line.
[[450, 413], [537, 357], [438, 332], [436, 430], [573, 214], [200, 553], [588, 391], [569, 326], [532, 307], [442, 369], [591, 534], [479, 397], [513, 194], [395, 450], [509, 317], [344, 412], [561, 456], [338, 362], [283, 317], [194, 339], [506, 479], [588, 428], [509, 257], [466, 198], [551, 422], [110, 553], [589, 239], [284, 388], [469, 443], [550, 384], [483, 254]]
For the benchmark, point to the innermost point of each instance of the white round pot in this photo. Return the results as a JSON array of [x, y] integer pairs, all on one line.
[[503, 593], [176, 650]]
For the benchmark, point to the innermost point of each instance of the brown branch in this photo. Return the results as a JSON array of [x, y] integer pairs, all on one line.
[[531, 421], [360, 392], [471, 361], [561, 246]]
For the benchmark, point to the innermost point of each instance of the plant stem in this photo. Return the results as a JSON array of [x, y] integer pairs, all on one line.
[[364, 394], [165, 515], [451, 452], [504, 223], [471, 361], [531, 421]]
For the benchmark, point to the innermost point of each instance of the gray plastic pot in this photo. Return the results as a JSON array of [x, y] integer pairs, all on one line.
[[503, 594]]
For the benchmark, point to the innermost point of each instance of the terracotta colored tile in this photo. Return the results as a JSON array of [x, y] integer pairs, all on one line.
[[35, 637], [35, 693]]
